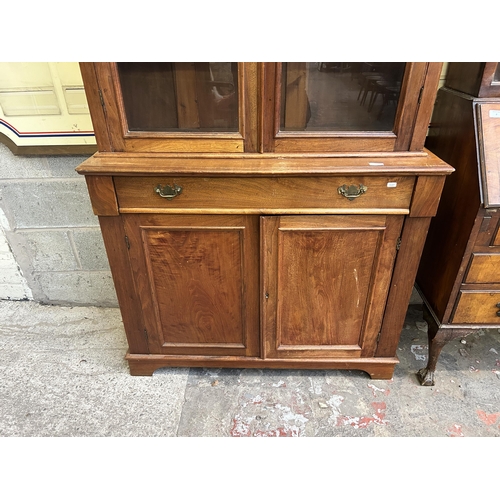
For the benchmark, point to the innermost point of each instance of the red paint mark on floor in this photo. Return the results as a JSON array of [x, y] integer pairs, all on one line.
[[488, 419], [272, 419], [455, 431], [239, 428], [280, 432], [363, 422]]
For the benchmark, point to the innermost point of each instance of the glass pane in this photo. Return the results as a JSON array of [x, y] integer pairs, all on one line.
[[340, 96], [180, 97], [496, 77]]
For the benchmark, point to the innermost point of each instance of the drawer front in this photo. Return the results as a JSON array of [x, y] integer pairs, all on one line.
[[478, 308], [484, 268], [495, 241], [265, 194]]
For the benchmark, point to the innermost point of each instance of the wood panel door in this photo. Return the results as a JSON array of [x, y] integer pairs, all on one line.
[[197, 276], [325, 283]]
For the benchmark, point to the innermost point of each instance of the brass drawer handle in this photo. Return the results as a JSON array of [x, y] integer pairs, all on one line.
[[351, 192], [167, 191]]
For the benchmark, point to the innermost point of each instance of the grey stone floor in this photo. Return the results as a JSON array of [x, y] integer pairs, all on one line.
[[62, 373]]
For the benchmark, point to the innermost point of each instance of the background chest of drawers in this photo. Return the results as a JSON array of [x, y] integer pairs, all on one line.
[[459, 274]]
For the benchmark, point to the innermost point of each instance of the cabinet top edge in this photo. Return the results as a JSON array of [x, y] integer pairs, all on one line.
[[425, 163]]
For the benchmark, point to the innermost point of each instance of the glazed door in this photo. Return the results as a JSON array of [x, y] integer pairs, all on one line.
[[173, 107], [299, 107], [197, 276], [347, 106], [325, 283]]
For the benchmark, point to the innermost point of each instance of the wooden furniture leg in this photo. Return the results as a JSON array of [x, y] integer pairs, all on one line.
[[439, 335], [437, 339]]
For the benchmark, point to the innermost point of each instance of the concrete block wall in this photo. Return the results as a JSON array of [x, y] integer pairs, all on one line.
[[13, 285], [51, 248]]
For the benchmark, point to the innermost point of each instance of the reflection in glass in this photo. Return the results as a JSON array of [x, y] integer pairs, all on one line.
[[340, 96], [180, 97]]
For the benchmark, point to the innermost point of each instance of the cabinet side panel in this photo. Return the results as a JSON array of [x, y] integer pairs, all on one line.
[[97, 114], [102, 194], [412, 242], [465, 76], [382, 274], [408, 106], [426, 105], [128, 298], [426, 196], [111, 104], [452, 139]]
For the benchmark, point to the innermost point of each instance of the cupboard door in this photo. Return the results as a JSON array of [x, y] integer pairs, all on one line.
[[174, 106], [197, 277], [349, 106], [325, 283]]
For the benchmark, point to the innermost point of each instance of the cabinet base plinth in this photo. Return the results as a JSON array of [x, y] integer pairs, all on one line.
[[146, 364]]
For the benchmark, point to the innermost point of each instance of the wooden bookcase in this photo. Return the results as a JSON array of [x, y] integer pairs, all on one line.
[[263, 214]]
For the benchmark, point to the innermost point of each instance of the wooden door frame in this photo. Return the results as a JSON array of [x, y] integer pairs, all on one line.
[[418, 91], [112, 134]]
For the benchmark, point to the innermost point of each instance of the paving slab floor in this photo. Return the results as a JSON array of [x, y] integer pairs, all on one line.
[[63, 373]]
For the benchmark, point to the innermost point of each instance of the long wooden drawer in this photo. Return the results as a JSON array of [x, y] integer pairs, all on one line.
[[478, 307], [266, 194], [484, 268]]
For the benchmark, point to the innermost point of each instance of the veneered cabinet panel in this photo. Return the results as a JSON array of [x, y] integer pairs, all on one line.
[[204, 265], [325, 282], [199, 282], [322, 299]]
